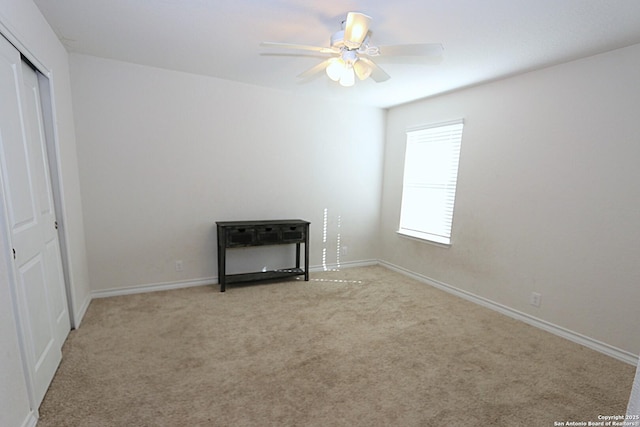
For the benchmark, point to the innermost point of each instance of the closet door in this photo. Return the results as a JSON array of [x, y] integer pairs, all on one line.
[[34, 125], [31, 223]]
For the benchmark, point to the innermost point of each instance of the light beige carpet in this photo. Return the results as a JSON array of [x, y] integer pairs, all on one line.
[[359, 347]]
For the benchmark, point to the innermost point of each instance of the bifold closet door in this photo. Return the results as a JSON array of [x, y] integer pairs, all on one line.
[[40, 294]]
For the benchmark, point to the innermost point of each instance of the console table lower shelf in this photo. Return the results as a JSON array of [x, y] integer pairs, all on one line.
[[264, 275], [237, 234]]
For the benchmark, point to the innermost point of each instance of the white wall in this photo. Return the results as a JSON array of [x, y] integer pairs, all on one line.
[[548, 196], [165, 154], [22, 23]]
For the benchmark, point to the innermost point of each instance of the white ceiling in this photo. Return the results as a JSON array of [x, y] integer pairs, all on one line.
[[483, 39]]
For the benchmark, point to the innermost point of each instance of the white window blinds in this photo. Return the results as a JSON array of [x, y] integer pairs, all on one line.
[[429, 185]]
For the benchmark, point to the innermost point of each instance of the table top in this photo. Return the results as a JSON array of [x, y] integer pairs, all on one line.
[[262, 222]]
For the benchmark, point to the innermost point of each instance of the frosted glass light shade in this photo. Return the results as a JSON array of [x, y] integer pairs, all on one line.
[[348, 77], [335, 69], [362, 69]]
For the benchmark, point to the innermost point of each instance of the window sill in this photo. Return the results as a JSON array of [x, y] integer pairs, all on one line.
[[407, 235]]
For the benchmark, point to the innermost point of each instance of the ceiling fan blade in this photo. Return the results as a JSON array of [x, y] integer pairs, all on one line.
[[300, 47], [314, 70], [377, 74], [421, 49], [356, 29]]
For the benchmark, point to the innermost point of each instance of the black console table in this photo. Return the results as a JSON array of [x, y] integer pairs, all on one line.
[[237, 234]]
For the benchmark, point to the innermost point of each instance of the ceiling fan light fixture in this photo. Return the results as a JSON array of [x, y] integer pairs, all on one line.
[[335, 69], [356, 29], [352, 52]]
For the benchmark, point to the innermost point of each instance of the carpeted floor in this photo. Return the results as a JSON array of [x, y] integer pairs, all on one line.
[[360, 347]]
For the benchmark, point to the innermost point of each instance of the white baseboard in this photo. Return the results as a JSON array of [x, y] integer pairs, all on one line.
[[591, 343], [153, 287], [78, 316], [31, 420], [350, 264]]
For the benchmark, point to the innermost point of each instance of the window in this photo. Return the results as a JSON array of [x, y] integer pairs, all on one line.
[[429, 185]]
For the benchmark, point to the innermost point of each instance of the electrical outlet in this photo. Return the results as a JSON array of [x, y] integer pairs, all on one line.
[[179, 266], [535, 299], [345, 250]]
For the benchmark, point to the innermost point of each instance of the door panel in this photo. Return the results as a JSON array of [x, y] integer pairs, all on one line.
[[35, 132], [58, 299], [32, 280], [20, 201]]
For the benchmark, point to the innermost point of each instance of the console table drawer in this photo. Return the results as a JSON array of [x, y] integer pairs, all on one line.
[[293, 233], [241, 236], [268, 235]]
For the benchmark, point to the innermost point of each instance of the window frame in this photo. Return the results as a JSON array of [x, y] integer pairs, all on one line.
[[444, 185]]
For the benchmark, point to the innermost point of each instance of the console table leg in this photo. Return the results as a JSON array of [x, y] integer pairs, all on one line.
[[306, 260], [221, 268]]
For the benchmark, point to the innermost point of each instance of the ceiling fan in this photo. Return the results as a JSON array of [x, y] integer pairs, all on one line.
[[351, 52]]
